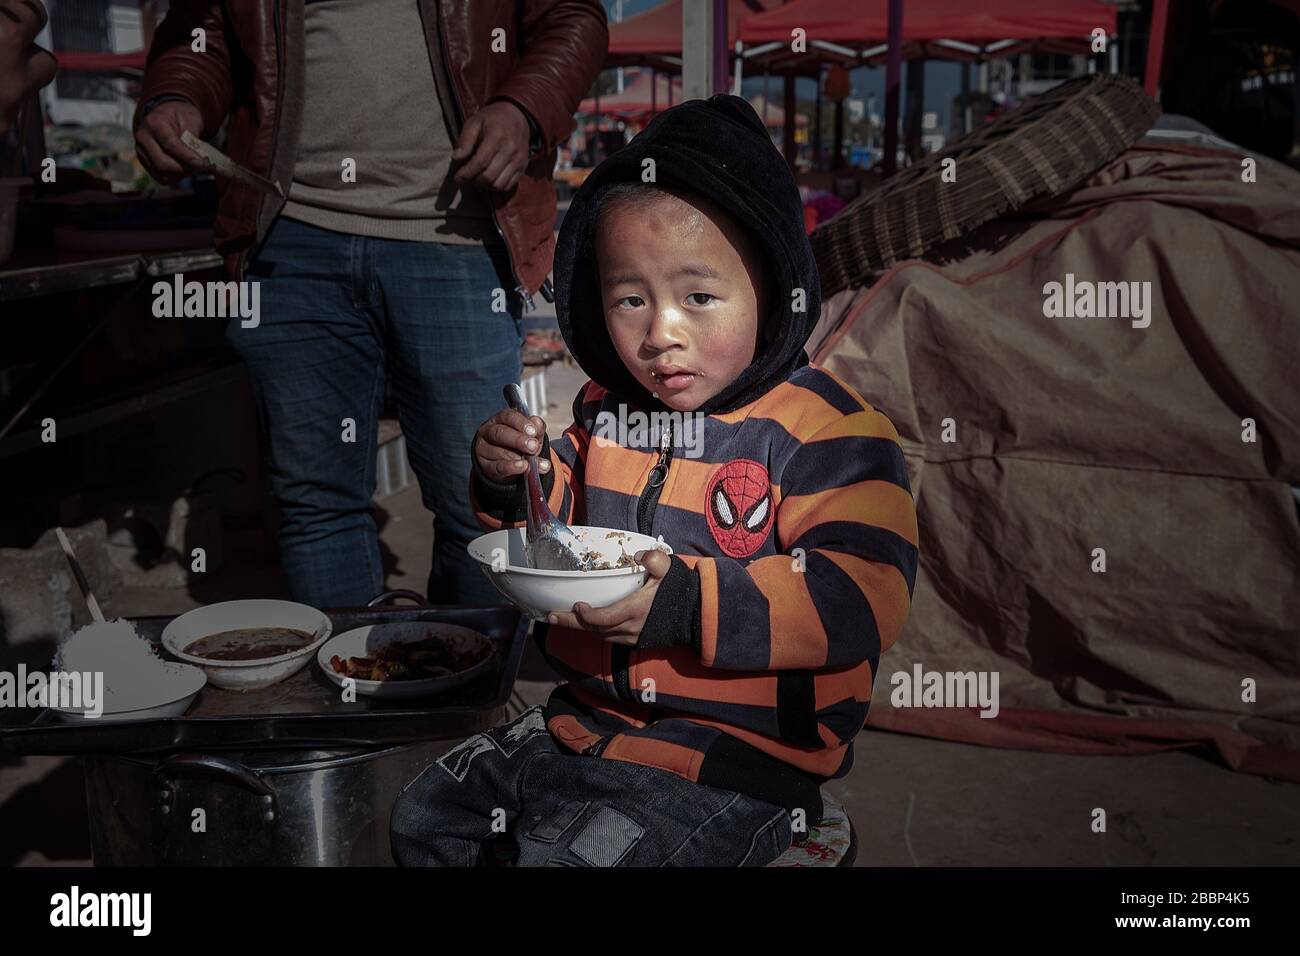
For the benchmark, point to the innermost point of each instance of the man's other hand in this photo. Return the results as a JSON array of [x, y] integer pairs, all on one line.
[[494, 147], [24, 66], [158, 141]]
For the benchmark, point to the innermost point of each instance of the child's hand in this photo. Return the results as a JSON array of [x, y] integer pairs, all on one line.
[[503, 442], [621, 622]]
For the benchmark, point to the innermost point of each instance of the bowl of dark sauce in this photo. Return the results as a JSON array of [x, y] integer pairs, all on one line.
[[246, 645]]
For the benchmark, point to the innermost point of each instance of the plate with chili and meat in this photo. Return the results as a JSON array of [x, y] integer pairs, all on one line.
[[411, 659]]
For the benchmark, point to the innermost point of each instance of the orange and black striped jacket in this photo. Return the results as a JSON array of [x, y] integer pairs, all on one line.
[[795, 551]]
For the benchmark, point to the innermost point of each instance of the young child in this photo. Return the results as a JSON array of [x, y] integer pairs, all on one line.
[[700, 715]]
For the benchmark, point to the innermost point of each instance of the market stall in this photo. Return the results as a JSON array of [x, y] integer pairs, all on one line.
[[931, 29]]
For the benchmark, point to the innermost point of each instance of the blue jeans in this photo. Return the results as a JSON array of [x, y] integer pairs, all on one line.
[[337, 312], [513, 792]]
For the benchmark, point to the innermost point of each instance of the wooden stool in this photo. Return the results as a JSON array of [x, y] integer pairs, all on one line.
[[833, 842]]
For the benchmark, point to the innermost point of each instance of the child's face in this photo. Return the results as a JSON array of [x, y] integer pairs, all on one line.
[[680, 286]]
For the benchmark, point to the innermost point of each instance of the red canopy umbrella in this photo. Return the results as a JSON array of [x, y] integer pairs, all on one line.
[[636, 97], [657, 33], [927, 22], [772, 114], [859, 34]]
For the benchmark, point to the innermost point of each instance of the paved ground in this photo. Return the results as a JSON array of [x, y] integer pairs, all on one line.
[[914, 801]]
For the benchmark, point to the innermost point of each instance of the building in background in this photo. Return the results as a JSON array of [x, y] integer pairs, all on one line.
[[95, 26], [1034, 73]]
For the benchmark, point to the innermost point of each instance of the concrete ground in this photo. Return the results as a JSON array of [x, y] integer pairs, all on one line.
[[914, 801]]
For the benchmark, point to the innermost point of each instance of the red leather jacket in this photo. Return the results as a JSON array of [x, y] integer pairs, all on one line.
[[252, 72]]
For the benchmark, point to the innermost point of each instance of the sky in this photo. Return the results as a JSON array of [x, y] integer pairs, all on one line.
[[942, 80]]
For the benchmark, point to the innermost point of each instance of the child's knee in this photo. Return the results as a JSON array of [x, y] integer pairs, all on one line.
[[418, 808]]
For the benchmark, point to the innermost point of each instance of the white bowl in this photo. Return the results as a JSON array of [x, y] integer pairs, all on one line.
[[365, 641], [228, 615], [187, 687], [536, 592]]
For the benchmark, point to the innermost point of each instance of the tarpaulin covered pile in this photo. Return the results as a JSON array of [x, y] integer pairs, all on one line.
[[1071, 435]]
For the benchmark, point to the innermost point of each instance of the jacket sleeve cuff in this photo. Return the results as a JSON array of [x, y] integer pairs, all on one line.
[[502, 500], [674, 618], [536, 140], [148, 105]]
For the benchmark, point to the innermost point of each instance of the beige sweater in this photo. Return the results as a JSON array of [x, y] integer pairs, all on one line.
[[370, 98]]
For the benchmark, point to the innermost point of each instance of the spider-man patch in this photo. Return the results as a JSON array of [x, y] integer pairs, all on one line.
[[740, 507]]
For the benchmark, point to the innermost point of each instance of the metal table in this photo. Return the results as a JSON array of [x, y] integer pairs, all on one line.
[[306, 710], [287, 775]]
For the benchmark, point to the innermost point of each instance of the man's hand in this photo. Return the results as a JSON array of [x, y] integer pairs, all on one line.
[[494, 146], [158, 141], [24, 66], [621, 622]]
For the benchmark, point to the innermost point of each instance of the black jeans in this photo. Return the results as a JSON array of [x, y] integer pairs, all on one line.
[[514, 787]]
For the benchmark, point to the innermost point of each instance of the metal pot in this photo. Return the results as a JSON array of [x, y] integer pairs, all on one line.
[[259, 808]]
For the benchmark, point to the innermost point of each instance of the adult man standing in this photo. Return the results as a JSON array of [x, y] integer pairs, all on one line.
[[415, 140]]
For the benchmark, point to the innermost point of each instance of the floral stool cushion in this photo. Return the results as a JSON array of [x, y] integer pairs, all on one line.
[[829, 843]]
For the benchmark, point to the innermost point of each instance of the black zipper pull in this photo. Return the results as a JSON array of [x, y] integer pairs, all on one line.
[[654, 482], [660, 471]]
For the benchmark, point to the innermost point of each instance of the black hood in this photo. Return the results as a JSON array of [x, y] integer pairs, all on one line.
[[717, 148]]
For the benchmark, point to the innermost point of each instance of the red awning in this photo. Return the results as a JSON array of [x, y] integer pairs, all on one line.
[[635, 98], [867, 22], [775, 115], [658, 32]]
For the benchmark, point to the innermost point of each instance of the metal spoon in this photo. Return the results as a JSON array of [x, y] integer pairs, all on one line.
[[551, 544]]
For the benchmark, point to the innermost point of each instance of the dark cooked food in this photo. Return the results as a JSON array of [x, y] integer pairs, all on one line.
[[419, 660], [249, 643]]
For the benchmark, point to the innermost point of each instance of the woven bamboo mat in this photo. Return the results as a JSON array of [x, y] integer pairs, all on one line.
[[1044, 147]]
